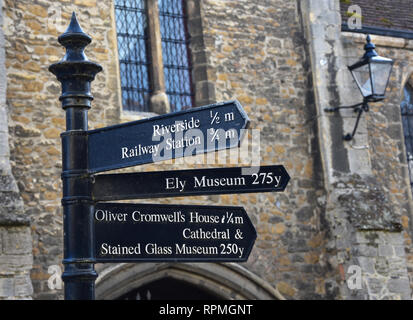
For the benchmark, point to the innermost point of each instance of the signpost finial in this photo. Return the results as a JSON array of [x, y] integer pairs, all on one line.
[[75, 71]]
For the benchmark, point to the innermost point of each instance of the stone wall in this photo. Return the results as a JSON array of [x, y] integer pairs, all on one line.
[[257, 54], [252, 51], [285, 62], [366, 210], [36, 118], [15, 236], [387, 149]]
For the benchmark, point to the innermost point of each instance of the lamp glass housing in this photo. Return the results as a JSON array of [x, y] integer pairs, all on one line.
[[372, 75]]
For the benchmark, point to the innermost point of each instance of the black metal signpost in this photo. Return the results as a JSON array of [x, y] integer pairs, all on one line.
[[76, 72], [95, 231]]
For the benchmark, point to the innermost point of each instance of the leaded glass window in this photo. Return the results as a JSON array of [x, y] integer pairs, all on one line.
[[175, 53], [407, 119], [131, 27], [136, 59]]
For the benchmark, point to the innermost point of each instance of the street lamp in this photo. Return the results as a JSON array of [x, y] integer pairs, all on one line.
[[372, 75]]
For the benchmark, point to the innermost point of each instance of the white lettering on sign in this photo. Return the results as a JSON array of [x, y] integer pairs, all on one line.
[[184, 142], [195, 217], [266, 178], [184, 249], [119, 250], [175, 183], [176, 216], [179, 126], [153, 248], [201, 234], [153, 149], [218, 182], [105, 215], [139, 150]]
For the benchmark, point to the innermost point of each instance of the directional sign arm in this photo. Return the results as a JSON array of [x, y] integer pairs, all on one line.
[[174, 135], [178, 183], [126, 232]]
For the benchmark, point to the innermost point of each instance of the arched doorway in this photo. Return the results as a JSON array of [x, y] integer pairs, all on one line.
[[188, 281], [165, 288]]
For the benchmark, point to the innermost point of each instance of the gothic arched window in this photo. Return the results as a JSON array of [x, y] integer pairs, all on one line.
[[154, 56], [407, 119]]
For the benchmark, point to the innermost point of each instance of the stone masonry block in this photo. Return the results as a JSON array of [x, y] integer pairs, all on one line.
[[397, 267], [6, 287], [4, 144], [366, 264], [3, 119], [7, 183], [1, 13], [375, 285], [365, 250], [400, 251], [394, 238], [382, 266], [17, 240], [365, 237], [23, 286], [12, 263], [386, 250], [319, 7], [400, 285]]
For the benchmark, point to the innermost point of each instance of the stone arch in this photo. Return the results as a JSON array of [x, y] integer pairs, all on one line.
[[227, 280], [407, 79], [408, 82]]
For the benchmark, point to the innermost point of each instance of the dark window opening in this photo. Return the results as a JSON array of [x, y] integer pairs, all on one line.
[[131, 26], [175, 54], [135, 54], [407, 119], [169, 289]]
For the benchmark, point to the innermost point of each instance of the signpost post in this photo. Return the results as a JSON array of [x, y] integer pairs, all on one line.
[[76, 73], [95, 231]]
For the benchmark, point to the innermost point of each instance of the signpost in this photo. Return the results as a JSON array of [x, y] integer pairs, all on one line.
[[95, 231], [127, 232]]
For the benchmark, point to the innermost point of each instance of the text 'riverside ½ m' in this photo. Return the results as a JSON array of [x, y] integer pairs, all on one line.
[[96, 231]]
